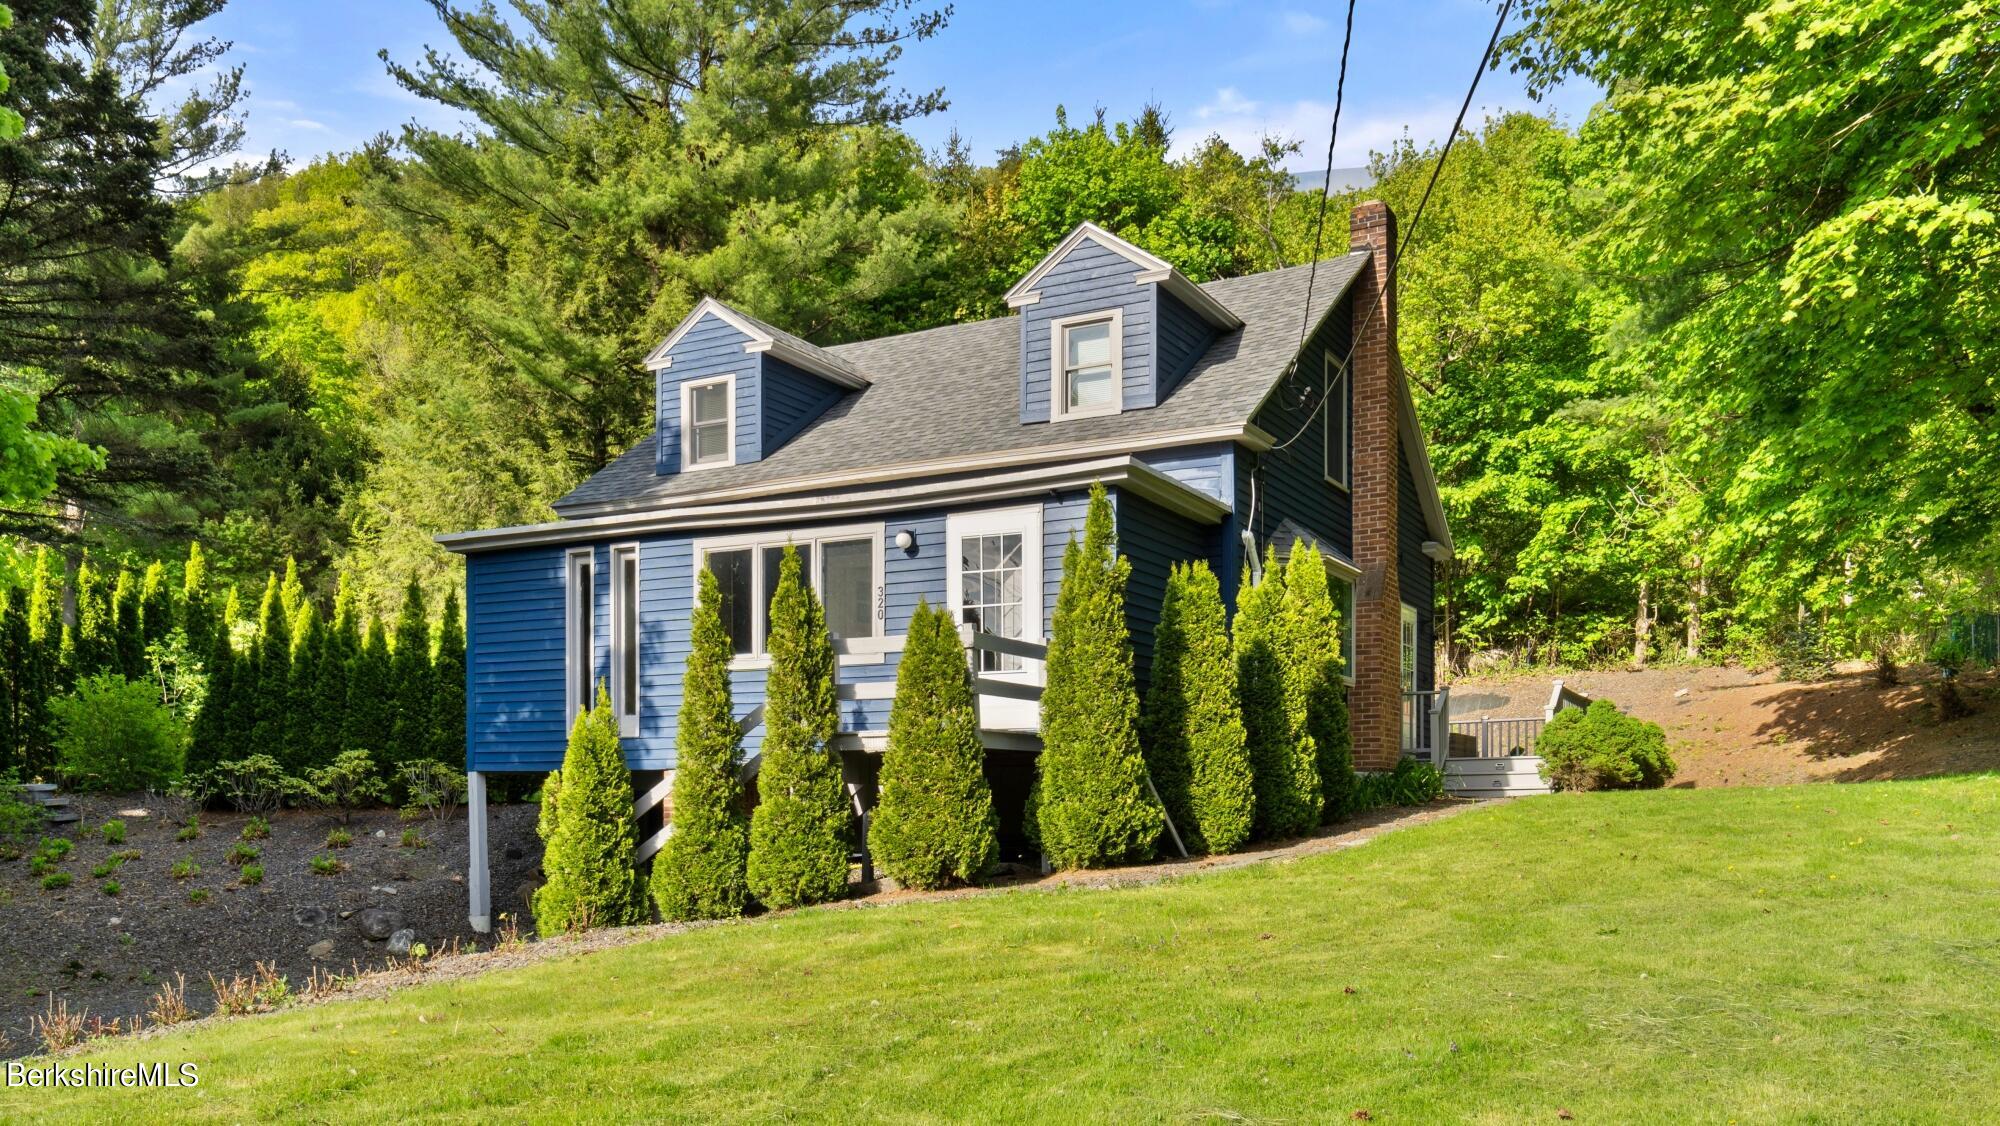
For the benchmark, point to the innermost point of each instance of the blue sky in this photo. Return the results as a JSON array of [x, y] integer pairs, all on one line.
[[1238, 68]]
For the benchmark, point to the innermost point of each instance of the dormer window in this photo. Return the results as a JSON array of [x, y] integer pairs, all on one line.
[[708, 433], [1087, 351]]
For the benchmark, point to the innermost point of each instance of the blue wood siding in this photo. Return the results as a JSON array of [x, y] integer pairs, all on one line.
[[1062, 517], [1090, 279], [1154, 539], [514, 660], [792, 399], [1414, 573], [1206, 468], [1290, 483], [712, 347], [1183, 337]]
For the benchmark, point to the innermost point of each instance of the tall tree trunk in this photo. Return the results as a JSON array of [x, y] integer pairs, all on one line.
[[1642, 626], [1697, 594]]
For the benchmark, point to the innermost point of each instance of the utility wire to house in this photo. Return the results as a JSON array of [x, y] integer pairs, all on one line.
[[1325, 186]]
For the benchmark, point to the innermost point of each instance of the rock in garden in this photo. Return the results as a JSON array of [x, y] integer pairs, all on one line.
[[309, 916], [399, 943], [320, 951], [379, 923]]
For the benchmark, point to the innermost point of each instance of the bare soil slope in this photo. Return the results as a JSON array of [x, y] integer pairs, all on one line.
[[1731, 726]]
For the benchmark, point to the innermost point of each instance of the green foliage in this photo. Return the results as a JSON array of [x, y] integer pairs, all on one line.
[[1804, 652], [184, 869], [588, 857], [1949, 655], [448, 685], [367, 724], [934, 823], [349, 782], [412, 718], [256, 829], [19, 821], [116, 735], [1314, 696], [339, 838], [325, 865], [435, 788], [411, 838], [56, 881], [113, 832], [252, 784], [212, 739], [1284, 767], [798, 833], [1195, 745], [1412, 782], [702, 872], [242, 853], [1601, 748], [251, 875], [271, 656], [1091, 805]]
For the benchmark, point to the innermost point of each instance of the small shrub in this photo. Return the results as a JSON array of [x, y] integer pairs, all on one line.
[[339, 838], [114, 832], [115, 734], [190, 831], [1804, 653], [252, 875], [105, 867], [55, 848], [1413, 782], [413, 839], [348, 783], [59, 1029], [325, 865], [111, 887], [1602, 748], [256, 829], [264, 989], [170, 1003], [55, 881], [19, 822], [199, 896], [256, 784], [240, 854], [435, 788], [127, 856], [184, 869], [588, 860]]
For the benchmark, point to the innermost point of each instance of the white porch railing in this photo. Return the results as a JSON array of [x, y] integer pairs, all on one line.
[[1427, 723], [1507, 736]]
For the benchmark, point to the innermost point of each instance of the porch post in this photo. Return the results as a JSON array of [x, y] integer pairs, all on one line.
[[480, 908]]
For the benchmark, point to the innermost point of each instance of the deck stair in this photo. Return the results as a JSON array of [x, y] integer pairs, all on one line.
[[1505, 776], [55, 806]]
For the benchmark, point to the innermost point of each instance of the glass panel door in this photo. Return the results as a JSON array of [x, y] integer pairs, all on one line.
[[990, 592]]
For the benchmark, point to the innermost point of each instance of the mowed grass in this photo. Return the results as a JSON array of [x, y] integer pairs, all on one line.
[[1819, 953]]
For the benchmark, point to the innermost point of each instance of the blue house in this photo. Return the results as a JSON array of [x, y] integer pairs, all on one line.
[[952, 465]]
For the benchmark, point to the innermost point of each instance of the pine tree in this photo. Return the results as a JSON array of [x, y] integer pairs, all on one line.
[[366, 726], [304, 737], [1314, 696], [347, 619], [197, 604], [798, 834], [1092, 806], [329, 698], [156, 605], [934, 824], [272, 653], [291, 592], [589, 857], [214, 725], [1285, 773], [703, 872], [1194, 740], [448, 685], [128, 633], [410, 672]]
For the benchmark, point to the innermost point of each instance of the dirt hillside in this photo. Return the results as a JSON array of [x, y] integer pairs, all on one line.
[[1730, 726]]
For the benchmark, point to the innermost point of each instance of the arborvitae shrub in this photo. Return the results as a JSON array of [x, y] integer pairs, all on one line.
[[410, 675], [128, 639], [1193, 732], [366, 726], [196, 604], [934, 824], [1283, 767], [1091, 804], [1313, 692], [448, 685], [272, 655], [156, 606], [93, 644], [211, 743], [798, 834], [43, 679], [703, 872], [291, 592], [1602, 748], [328, 698], [589, 858]]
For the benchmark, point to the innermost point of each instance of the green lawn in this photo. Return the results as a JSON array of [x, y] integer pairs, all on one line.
[[1820, 953]]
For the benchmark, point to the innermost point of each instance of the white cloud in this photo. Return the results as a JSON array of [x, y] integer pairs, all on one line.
[[1302, 23], [1244, 122], [306, 123]]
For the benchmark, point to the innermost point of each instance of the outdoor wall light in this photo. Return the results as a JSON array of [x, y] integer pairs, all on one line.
[[905, 541]]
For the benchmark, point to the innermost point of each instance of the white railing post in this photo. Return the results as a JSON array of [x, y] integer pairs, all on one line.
[[967, 638], [477, 881]]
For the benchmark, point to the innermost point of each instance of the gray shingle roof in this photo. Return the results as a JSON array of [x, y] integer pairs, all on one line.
[[955, 391]]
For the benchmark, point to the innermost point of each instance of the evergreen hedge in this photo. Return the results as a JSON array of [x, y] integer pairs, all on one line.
[[1091, 807], [703, 872], [447, 726], [411, 713], [366, 726], [1284, 767], [1195, 745], [588, 859], [934, 823], [1314, 696], [798, 834]]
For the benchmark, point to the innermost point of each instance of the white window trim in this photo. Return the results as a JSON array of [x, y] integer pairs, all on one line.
[[571, 595], [1340, 396], [850, 651], [1028, 522], [687, 421], [1059, 408], [627, 711]]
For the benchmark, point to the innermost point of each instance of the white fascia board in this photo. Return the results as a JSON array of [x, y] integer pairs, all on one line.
[[1125, 472], [1022, 291], [760, 341], [1194, 297]]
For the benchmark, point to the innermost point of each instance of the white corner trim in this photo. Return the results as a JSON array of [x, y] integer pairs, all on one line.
[[688, 389], [1059, 408]]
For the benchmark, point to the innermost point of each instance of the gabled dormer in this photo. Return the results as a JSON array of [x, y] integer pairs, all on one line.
[[1107, 327], [732, 389]]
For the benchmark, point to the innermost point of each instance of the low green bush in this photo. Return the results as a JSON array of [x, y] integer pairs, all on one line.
[[1413, 782], [256, 829], [1602, 748], [114, 833], [252, 875], [55, 881], [115, 734], [19, 822]]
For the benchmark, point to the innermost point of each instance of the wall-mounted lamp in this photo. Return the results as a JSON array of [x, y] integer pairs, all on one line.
[[905, 541]]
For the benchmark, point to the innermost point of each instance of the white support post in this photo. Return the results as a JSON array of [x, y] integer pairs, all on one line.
[[477, 880], [965, 638]]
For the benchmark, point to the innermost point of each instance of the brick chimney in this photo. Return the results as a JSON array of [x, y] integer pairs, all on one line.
[[1375, 704]]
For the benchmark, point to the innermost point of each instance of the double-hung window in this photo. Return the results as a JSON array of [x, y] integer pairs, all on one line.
[[708, 423], [1087, 351], [843, 565], [1338, 417], [579, 647], [625, 637]]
